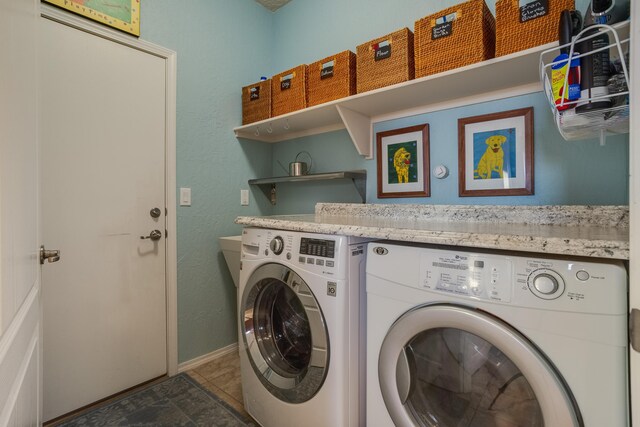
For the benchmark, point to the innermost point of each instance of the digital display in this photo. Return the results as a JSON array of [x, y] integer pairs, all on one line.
[[478, 264], [317, 247]]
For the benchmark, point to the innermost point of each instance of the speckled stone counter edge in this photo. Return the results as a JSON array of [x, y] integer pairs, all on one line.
[[585, 247], [568, 215], [612, 244]]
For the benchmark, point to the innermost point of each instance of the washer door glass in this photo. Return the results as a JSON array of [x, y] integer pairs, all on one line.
[[284, 333], [453, 366]]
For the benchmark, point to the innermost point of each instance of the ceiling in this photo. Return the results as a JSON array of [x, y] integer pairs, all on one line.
[[273, 5]]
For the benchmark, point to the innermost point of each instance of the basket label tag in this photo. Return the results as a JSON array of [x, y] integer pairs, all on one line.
[[285, 82], [442, 30], [326, 73], [254, 93], [382, 52], [534, 9], [327, 70]]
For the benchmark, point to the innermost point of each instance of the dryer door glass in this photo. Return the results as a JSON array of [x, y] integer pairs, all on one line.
[[461, 379], [284, 333], [449, 365]]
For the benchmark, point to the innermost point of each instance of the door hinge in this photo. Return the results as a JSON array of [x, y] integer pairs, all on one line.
[[634, 329]]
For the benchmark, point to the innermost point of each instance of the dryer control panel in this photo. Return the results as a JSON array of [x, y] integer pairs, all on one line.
[[467, 274], [519, 279]]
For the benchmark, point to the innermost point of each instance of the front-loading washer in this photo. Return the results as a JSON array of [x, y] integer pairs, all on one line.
[[301, 336], [462, 337]]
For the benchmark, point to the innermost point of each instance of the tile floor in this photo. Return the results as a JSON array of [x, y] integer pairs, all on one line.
[[222, 377]]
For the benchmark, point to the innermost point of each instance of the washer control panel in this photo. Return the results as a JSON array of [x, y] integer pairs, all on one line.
[[322, 254], [317, 247], [467, 274]]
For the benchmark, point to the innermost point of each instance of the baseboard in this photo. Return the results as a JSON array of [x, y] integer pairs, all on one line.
[[206, 358]]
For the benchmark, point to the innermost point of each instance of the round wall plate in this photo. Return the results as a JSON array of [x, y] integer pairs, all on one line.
[[440, 172]]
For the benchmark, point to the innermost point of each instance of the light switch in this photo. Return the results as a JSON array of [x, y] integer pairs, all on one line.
[[244, 197], [185, 196]]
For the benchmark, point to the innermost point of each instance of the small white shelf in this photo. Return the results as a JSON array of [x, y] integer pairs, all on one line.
[[501, 77], [268, 185]]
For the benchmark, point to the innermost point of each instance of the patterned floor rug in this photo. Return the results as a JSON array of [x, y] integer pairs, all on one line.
[[177, 401]]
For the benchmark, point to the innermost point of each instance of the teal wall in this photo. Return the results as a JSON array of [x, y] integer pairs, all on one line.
[[224, 45], [218, 44], [565, 172], [308, 30]]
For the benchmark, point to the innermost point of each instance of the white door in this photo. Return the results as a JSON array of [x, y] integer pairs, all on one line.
[[103, 171], [20, 373]]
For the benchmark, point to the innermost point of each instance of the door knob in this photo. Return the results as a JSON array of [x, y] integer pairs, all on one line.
[[49, 255], [155, 213], [154, 235]]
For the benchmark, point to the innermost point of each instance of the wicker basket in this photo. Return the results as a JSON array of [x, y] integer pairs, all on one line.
[[332, 78], [393, 66], [256, 102], [466, 36], [289, 91], [512, 35]]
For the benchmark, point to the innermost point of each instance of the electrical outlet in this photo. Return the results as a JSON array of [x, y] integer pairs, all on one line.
[[244, 197]]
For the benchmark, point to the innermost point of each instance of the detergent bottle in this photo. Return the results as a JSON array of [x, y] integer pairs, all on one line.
[[569, 25]]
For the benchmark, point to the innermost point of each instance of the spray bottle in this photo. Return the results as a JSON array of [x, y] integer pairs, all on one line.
[[595, 67]]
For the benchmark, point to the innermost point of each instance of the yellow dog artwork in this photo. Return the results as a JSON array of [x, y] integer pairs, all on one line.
[[401, 162], [493, 158]]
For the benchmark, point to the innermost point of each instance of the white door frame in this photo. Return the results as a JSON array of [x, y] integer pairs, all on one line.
[[634, 206], [171, 262]]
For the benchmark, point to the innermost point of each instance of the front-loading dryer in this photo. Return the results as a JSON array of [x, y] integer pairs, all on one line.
[[461, 337], [301, 336]]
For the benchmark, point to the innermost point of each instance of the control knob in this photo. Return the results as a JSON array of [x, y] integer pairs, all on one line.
[[277, 245], [545, 284]]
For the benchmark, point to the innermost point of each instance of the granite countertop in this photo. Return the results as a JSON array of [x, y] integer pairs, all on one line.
[[592, 231]]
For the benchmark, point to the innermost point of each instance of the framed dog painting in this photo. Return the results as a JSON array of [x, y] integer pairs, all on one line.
[[403, 162], [495, 154]]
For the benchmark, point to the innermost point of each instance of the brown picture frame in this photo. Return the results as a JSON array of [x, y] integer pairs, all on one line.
[[403, 162], [495, 154]]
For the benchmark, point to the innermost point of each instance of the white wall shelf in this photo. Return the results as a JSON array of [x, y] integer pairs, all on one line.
[[496, 78], [574, 125], [268, 185]]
